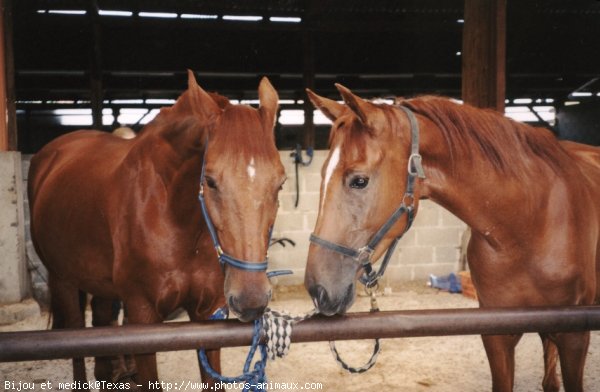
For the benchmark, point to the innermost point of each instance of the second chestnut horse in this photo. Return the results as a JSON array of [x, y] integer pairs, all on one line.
[[532, 202]]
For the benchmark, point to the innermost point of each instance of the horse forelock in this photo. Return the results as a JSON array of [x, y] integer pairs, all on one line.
[[351, 136], [239, 131], [506, 144], [220, 100]]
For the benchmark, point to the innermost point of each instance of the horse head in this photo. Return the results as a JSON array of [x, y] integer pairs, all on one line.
[[363, 182], [242, 176]]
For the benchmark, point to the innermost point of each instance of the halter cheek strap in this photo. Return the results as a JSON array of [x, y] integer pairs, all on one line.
[[225, 258], [363, 255]]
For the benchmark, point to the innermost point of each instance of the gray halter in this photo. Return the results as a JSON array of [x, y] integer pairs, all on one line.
[[364, 254]]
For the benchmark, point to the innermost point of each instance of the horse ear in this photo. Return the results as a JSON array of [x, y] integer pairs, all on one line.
[[330, 108], [201, 101], [359, 106], [269, 101], [191, 80]]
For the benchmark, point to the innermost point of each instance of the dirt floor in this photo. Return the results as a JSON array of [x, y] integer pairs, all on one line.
[[439, 364]]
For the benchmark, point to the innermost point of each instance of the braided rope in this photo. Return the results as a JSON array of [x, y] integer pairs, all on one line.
[[371, 291], [361, 369], [277, 328]]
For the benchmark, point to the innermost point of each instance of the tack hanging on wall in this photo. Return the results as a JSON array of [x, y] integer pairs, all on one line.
[[298, 160]]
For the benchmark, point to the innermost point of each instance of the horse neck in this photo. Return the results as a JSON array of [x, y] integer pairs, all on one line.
[[174, 152], [488, 200]]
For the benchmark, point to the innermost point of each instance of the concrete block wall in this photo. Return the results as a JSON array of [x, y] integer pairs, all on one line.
[[432, 246]]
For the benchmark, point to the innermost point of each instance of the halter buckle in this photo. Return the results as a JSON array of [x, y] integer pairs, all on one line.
[[415, 160], [364, 255]]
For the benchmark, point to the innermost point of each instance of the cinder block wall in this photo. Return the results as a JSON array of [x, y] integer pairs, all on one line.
[[14, 283], [432, 246]]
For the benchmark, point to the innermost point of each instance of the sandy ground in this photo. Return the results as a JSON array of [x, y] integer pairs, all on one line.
[[439, 364]]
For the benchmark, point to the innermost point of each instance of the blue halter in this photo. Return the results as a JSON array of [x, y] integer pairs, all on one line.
[[224, 258]]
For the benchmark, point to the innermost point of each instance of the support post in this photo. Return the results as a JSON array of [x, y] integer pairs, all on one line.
[[8, 129], [309, 82], [484, 54], [96, 96]]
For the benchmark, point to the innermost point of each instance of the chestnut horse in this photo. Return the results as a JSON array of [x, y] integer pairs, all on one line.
[[532, 202], [121, 219]]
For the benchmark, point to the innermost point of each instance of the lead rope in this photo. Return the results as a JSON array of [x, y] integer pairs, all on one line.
[[371, 291], [276, 328], [252, 380]]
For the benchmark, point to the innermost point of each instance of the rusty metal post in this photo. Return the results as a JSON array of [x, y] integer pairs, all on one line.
[[38, 345]]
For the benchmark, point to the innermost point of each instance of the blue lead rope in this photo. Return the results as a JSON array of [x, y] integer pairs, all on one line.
[[253, 380]]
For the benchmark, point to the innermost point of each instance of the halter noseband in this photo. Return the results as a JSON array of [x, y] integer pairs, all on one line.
[[224, 258], [363, 255]]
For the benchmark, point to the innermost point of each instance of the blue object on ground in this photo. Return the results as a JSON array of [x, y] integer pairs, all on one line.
[[449, 283]]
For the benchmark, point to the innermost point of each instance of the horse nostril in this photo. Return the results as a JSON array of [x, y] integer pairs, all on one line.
[[319, 294], [233, 304]]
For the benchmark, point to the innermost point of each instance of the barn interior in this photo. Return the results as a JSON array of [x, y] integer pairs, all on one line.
[[105, 63]]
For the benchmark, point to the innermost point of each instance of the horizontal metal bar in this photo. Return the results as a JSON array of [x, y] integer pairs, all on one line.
[[87, 342]]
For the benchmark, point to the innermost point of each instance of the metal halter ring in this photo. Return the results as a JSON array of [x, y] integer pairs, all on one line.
[[410, 197]]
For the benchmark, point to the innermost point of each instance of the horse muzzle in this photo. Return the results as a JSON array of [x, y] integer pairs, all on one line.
[[247, 310], [329, 304]]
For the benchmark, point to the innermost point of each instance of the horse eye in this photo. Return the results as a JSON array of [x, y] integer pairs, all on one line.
[[211, 183], [359, 182]]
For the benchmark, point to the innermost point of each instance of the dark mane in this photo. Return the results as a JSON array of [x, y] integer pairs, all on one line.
[[506, 144]]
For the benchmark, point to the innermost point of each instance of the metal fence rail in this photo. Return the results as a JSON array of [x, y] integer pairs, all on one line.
[[39, 345]]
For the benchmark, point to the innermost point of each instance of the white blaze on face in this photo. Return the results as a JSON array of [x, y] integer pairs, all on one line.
[[331, 165], [251, 170]]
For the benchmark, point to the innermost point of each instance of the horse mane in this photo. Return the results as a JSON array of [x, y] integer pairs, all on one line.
[[168, 113], [506, 144]]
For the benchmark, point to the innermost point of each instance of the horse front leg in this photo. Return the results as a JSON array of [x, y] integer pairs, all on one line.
[[572, 350], [551, 383], [110, 368], [213, 356], [500, 350], [67, 305], [143, 312], [214, 360]]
